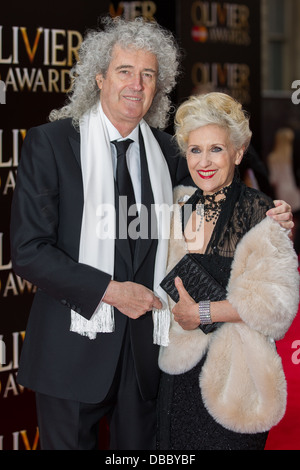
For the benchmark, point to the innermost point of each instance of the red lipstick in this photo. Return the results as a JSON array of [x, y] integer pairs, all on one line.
[[206, 174]]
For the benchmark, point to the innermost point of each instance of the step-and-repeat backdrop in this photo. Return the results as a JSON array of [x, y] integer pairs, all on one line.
[[38, 46]]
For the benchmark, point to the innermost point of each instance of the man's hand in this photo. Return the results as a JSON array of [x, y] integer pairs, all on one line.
[[282, 212], [186, 310], [131, 299]]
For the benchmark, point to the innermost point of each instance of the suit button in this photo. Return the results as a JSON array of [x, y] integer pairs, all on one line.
[[63, 301]]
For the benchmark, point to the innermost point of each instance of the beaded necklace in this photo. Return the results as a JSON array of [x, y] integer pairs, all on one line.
[[208, 208]]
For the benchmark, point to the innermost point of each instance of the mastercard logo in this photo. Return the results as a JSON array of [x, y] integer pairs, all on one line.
[[199, 33]]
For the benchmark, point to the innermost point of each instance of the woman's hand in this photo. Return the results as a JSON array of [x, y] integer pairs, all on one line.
[[186, 310], [282, 213]]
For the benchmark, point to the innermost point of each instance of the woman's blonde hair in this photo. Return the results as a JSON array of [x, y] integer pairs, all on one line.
[[212, 108]]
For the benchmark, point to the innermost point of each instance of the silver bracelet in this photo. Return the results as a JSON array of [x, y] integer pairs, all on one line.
[[204, 312]]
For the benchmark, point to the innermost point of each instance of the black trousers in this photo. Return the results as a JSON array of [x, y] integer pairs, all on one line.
[[71, 425]]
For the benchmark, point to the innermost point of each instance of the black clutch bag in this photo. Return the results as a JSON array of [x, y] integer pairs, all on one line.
[[198, 282]]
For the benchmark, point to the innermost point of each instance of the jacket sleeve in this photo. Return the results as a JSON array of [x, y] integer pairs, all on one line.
[[39, 229], [264, 281]]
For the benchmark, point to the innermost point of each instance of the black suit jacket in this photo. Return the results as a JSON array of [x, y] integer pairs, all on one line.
[[45, 232]]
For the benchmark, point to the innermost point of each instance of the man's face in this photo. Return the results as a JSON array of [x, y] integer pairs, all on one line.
[[128, 88]]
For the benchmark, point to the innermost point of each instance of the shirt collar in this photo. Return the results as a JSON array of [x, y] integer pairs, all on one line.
[[114, 134]]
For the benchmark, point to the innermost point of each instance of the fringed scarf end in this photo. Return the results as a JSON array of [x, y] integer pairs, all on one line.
[[161, 325]]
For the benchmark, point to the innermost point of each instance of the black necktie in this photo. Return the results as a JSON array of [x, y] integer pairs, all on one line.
[[123, 180]]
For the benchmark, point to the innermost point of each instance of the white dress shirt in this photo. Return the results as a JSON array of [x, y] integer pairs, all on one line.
[[132, 157]]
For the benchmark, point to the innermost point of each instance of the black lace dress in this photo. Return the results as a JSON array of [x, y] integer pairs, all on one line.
[[184, 422]]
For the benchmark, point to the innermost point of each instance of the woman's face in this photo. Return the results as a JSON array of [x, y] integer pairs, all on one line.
[[211, 158]]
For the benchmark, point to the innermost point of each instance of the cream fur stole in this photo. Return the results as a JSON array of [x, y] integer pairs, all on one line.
[[242, 381]]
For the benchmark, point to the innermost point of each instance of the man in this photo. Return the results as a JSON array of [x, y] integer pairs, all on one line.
[[89, 349]]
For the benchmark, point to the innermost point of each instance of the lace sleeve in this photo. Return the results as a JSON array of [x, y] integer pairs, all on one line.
[[255, 204], [247, 210]]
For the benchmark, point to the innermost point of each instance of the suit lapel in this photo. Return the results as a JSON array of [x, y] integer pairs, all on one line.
[[75, 144]]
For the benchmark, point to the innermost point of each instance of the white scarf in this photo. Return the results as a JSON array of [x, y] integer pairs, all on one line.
[[97, 240]]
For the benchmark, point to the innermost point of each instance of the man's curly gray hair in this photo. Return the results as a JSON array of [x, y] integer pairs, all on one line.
[[95, 55]]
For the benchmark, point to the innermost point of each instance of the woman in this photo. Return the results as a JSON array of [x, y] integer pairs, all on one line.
[[223, 385]]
